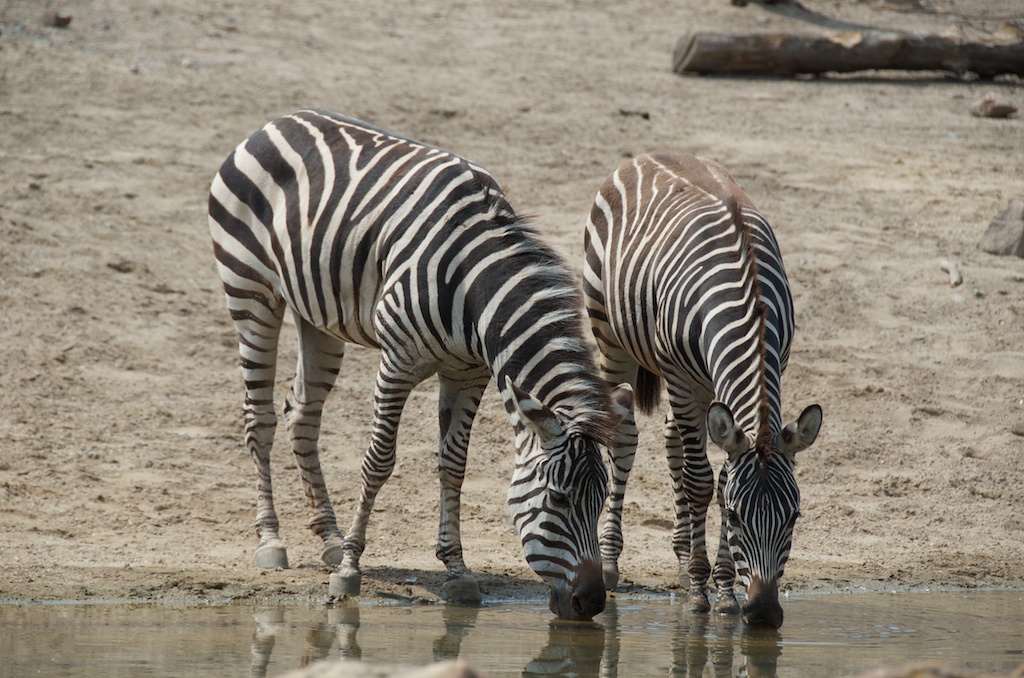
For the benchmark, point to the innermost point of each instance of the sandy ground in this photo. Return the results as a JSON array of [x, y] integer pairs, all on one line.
[[122, 469]]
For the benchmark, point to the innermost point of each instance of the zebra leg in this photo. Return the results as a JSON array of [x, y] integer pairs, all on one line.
[[457, 405], [259, 326], [616, 367], [693, 486], [681, 509], [724, 574], [319, 361], [389, 397]]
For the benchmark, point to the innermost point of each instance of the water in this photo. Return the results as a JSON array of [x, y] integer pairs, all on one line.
[[824, 635]]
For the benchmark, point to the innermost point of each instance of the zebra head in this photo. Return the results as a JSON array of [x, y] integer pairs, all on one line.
[[761, 504], [555, 500]]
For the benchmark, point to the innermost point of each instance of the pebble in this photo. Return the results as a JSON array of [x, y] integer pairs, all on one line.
[[57, 19], [992, 106]]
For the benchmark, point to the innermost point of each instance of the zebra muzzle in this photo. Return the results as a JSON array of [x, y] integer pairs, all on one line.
[[763, 608], [584, 599]]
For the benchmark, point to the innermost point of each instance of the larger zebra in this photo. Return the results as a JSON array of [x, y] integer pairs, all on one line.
[[372, 238], [684, 283]]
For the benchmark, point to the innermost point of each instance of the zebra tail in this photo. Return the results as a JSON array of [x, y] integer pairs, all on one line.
[[647, 395]]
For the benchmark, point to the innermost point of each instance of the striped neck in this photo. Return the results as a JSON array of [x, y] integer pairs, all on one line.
[[755, 398], [529, 326]]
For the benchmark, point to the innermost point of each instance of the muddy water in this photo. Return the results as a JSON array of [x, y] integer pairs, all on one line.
[[824, 635]]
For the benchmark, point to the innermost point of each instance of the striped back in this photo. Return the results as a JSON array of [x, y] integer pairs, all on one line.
[[694, 283]]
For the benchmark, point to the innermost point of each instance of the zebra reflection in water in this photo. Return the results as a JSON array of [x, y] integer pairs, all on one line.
[[574, 649]]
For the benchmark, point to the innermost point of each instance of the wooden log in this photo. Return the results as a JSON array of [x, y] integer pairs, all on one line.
[[778, 53]]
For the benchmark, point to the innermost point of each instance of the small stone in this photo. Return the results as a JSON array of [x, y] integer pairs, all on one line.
[[57, 19], [1005, 235], [1018, 429], [992, 106], [121, 266]]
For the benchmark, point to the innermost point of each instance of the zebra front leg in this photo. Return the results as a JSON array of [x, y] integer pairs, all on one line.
[[693, 484], [724, 573], [621, 457], [617, 367], [389, 397], [458, 401], [319, 362], [692, 491], [699, 479], [681, 508]]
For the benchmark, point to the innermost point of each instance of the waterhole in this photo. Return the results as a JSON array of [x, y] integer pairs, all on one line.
[[823, 635]]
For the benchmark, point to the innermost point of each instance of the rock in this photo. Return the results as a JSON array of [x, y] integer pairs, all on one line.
[[992, 106], [121, 266], [57, 19], [354, 669], [919, 670], [1005, 235]]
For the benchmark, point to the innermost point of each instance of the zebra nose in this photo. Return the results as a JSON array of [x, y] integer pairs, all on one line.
[[588, 595], [584, 600], [763, 608], [588, 601]]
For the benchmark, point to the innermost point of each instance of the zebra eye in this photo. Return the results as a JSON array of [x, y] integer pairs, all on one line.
[[558, 499], [732, 517]]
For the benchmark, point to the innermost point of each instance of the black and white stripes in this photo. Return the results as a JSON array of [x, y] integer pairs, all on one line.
[[684, 283], [372, 238]]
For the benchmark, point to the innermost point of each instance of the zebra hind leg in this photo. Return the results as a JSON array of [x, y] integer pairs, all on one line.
[[258, 326], [319, 362], [457, 405]]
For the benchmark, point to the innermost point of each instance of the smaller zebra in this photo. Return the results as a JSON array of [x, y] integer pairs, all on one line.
[[684, 283], [372, 238]]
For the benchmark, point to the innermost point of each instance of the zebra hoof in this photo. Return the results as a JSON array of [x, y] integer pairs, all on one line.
[[725, 603], [462, 590], [271, 555], [611, 578], [697, 600], [345, 584], [333, 554]]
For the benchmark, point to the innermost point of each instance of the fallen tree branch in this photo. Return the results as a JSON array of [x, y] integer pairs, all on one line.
[[953, 269], [846, 51]]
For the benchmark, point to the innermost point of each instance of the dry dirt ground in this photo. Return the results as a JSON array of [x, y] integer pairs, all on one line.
[[122, 469]]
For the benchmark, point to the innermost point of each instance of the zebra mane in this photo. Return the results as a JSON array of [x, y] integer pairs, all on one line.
[[763, 441], [580, 397]]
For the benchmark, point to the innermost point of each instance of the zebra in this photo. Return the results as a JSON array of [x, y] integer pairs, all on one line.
[[684, 283], [376, 239]]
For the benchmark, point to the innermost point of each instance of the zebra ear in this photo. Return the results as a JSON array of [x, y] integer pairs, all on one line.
[[622, 403], [724, 432], [534, 413], [799, 435]]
